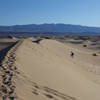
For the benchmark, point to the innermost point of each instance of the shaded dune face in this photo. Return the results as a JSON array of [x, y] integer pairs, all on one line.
[[42, 69], [8, 72]]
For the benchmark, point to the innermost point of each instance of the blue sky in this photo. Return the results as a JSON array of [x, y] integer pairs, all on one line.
[[80, 12]]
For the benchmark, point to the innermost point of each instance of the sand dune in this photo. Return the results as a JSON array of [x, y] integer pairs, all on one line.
[[43, 69]]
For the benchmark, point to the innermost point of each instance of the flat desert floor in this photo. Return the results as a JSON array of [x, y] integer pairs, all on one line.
[[43, 69]]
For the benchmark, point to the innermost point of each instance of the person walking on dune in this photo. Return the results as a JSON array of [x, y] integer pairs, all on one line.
[[72, 54]]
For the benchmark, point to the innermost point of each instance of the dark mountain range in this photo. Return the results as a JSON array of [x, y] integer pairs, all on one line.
[[50, 28]]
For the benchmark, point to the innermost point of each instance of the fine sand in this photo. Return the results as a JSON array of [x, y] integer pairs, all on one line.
[[43, 69]]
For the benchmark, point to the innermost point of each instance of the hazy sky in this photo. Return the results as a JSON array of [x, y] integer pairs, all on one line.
[[83, 12]]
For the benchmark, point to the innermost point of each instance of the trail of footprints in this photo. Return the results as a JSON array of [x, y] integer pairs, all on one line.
[[38, 90], [7, 73], [50, 93]]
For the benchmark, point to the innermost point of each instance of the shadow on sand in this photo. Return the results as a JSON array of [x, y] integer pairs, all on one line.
[[4, 51]]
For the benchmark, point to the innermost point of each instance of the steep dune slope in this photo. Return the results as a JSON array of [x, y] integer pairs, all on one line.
[[46, 68]]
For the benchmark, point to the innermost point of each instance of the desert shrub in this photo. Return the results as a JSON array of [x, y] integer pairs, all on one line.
[[94, 54], [84, 45]]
